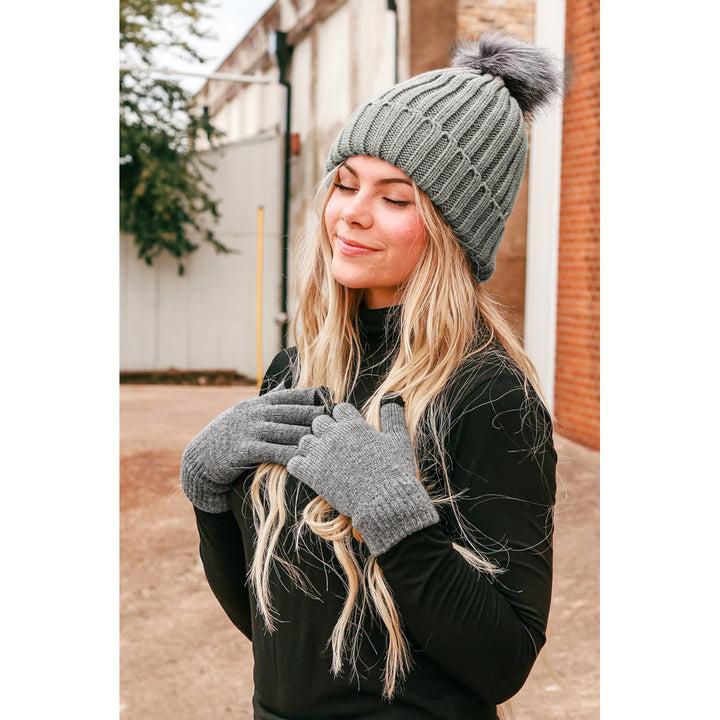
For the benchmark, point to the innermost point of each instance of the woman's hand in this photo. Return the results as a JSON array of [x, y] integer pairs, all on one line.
[[365, 474], [265, 429]]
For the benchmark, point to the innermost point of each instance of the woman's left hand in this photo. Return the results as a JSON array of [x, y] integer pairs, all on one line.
[[366, 474]]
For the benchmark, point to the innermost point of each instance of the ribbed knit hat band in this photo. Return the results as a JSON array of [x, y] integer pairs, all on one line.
[[460, 135]]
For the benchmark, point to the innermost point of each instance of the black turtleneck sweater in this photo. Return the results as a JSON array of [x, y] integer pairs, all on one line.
[[473, 639]]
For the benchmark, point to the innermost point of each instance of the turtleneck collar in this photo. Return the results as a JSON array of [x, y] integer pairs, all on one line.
[[378, 328]]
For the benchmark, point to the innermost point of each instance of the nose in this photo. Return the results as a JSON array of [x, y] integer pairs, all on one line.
[[356, 211]]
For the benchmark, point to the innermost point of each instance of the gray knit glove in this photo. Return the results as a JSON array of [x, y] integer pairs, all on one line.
[[365, 474], [263, 429]]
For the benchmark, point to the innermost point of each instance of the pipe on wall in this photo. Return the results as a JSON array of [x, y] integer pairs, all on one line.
[[283, 52]]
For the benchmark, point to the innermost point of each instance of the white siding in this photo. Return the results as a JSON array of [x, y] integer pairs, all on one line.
[[543, 223], [205, 319]]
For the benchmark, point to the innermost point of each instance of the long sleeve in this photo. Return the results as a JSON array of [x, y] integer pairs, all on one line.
[[221, 543], [221, 552], [485, 632]]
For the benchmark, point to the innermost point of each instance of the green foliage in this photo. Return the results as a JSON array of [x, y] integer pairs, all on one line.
[[165, 203]]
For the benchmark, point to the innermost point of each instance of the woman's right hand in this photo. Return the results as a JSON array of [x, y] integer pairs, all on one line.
[[264, 429]]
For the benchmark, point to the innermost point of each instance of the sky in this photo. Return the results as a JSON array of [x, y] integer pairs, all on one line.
[[230, 21]]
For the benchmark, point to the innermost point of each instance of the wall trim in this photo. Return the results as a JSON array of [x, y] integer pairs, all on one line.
[[544, 176]]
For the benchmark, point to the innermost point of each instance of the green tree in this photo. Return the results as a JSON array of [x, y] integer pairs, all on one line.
[[165, 202]]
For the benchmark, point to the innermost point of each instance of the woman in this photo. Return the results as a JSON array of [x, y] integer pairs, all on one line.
[[378, 521]]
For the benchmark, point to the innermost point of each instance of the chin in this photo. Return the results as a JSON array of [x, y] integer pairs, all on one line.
[[349, 279]]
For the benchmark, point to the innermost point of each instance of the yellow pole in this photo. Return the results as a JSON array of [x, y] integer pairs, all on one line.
[[258, 296]]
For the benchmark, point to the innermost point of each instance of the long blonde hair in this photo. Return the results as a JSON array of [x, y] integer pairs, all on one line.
[[445, 318]]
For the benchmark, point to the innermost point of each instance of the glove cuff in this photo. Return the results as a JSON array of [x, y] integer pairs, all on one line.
[[202, 492], [398, 510]]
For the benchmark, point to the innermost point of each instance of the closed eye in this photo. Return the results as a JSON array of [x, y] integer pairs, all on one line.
[[391, 201]]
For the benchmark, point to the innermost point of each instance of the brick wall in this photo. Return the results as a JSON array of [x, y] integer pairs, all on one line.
[[433, 28], [577, 367], [516, 17]]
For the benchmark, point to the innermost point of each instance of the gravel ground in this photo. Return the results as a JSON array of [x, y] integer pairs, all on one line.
[[182, 659]]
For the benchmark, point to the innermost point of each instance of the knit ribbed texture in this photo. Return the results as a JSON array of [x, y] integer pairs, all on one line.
[[461, 137], [365, 474], [263, 429]]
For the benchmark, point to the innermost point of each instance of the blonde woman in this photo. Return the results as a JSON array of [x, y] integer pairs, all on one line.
[[379, 520]]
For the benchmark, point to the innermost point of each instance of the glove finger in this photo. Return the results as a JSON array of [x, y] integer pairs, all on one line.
[[298, 467], [257, 452], [291, 414], [392, 418], [289, 396], [284, 454], [344, 412], [281, 434], [307, 444], [322, 425], [392, 397]]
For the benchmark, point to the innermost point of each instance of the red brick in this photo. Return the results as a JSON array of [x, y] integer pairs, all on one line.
[[577, 370]]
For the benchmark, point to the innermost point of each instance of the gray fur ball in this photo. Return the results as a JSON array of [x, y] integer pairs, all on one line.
[[532, 75]]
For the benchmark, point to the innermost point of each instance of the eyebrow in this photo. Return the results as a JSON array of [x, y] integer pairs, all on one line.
[[381, 181]]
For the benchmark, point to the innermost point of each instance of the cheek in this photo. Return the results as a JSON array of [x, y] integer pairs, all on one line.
[[332, 212], [415, 251], [409, 250], [411, 238]]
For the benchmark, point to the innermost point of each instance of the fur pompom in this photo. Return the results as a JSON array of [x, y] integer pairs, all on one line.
[[533, 76]]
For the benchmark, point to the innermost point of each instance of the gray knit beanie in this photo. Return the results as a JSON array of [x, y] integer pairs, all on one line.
[[460, 134]]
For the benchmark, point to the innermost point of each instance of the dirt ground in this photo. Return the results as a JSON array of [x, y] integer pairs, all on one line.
[[182, 659]]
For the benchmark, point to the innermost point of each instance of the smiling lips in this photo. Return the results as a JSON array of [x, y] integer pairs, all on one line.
[[352, 248]]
